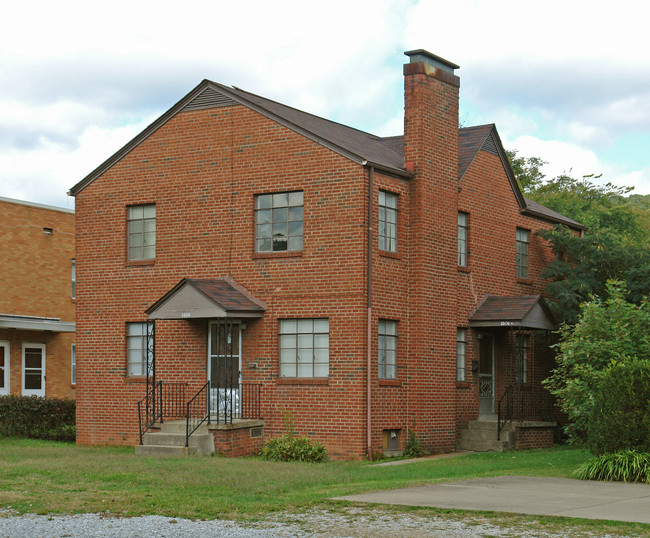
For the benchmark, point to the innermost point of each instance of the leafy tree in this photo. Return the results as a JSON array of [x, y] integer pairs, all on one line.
[[613, 330], [616, 244]]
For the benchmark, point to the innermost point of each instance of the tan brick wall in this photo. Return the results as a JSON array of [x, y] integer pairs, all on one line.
[[36, 281]]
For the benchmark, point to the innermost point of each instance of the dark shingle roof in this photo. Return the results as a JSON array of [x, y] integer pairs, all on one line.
[[529, 311]]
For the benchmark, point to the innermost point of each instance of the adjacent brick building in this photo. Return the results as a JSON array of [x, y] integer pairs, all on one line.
[[356, 286], [37, 311]]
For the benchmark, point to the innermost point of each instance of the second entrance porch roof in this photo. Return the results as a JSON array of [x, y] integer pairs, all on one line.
[[523, 311], [207, 298]]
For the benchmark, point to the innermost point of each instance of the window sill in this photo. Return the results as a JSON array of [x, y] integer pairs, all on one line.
[[303, 380], [388, 254], [464, 269], [280, 254], [135, 379], [526, 281], [463, 385], [140, 263], [390, 383]]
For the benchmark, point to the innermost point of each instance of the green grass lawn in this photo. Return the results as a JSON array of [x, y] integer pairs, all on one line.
[[60, 478]]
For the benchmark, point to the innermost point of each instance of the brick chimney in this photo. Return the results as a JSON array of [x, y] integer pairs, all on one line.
[[431, 151]]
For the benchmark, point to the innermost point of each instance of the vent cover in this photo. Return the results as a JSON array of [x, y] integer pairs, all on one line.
[[209, 98], [490, 145]]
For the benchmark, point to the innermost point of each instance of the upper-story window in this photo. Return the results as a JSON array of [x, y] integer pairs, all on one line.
[[141, 230], [74, 279], [387, 221], [523, 242], [463, 228], [278, 221]]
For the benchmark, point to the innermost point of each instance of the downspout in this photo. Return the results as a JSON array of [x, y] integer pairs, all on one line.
[[371, 176]]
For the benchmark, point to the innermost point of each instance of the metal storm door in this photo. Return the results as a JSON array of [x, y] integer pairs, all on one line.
[[224, 363], [34, 370], [486, 374], [4, 368]]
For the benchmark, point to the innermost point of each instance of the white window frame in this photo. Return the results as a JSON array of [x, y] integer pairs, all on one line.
[[279, 222], [141, 232], [304, 351], [387, 349], [461, 354], [73, 364], [523, 253], [463, 238], [34, 392], [133, 338], [4, 371], [388, 216]]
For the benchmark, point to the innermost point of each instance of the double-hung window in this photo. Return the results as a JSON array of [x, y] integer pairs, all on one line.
[[387, 221], [278, 222], [141, 231], [523, 243], [387, 349], [461, 355], [136, 348], [463, 227], [304, 347]]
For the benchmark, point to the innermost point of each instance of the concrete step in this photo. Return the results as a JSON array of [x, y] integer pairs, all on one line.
[[482, 446], [162, 450]]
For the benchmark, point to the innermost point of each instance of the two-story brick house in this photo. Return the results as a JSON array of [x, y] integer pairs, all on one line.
[[37, 311], [358, 286]]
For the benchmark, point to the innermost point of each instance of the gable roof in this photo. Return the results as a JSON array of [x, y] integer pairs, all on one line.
[[383, 153], [206, 298], [524, 311], [359, 146]]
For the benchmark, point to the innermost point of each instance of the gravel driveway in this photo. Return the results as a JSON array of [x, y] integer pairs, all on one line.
[[347, 521]]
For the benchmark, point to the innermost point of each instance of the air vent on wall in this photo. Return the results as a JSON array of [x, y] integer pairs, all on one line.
[[209, 98], [490, 145]]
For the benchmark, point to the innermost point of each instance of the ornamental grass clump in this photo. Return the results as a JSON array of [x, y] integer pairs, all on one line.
[[620, 466]]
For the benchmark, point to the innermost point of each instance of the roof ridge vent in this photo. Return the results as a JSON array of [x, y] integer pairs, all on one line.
[[209, 98]]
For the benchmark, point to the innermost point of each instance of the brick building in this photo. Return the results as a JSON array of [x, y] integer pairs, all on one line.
[[358, 286], [37, 311]]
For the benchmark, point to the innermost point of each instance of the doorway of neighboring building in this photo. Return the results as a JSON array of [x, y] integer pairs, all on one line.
[[4, 368], [224, 364], [486, 374], [34, 370]]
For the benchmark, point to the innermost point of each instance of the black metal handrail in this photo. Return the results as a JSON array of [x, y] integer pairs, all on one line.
[[162, 402], [197, 411], [505, 410]]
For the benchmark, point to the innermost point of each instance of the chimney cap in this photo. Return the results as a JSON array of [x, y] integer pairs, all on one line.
[[424, 56]]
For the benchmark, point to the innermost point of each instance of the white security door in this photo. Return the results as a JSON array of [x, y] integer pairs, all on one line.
[[34, 370], [224, 363], [486, 374], [4, 368]]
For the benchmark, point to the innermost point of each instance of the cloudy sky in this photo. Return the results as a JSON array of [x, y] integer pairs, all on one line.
[[568, 81]]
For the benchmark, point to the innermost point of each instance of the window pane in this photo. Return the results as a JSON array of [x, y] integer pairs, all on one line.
[[148, 211], [264, 245], [305, 370], [265, 216], [322, 326], [321, 370], [288, 369], [305, 325], [136, 212], [295, 199], [263, 201], [279, 244], [280, 199], [33, 381], [305, 340], [288, 326], [264, 231], [280, 215], [295, 243]]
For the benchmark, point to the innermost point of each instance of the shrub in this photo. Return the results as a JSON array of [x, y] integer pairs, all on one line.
[[291, 448], [620, 414], [624, 465], [413, 448], [38, 418]]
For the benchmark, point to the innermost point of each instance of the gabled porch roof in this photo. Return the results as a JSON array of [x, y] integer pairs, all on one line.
[[523, 311], [207, 298]]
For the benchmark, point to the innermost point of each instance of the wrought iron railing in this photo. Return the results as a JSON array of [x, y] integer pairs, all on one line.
[[505, 410], [197, 411], [163, 401]]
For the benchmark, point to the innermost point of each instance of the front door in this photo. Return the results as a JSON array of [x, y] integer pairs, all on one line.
[[224, 363], [486, 374], [34, 370], [4, 368]]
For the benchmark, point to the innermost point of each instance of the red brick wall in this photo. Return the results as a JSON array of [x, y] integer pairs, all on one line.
[[527, 438], [36, 281]]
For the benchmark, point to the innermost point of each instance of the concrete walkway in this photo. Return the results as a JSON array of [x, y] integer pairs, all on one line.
[[527, 495]]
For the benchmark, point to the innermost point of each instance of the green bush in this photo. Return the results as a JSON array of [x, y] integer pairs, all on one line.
[[624, 465], [38, 418], [413, 448], [291, 448], [620, 414]]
